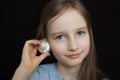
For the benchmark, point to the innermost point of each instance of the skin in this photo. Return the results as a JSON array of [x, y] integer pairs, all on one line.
[[29, 60], [69, 41]]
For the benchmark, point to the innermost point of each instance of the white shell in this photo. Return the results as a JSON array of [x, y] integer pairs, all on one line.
[[44, 46]]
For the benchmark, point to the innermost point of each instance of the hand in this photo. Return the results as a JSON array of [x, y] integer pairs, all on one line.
[[29, 59]]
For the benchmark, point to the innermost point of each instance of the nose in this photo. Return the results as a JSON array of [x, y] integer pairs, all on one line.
[[73, 45]]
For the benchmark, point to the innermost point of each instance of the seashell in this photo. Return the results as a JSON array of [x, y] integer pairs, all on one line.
[[44, 46]]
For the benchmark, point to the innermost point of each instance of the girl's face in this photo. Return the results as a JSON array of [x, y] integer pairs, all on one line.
[[69, 38]]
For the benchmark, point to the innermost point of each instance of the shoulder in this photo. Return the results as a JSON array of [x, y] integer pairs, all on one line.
[[43, 72], [45, 67], [101, 75]]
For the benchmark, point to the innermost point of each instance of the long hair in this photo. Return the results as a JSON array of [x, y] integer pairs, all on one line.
[[88, 69]]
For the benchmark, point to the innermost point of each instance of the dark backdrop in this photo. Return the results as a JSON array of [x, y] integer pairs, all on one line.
[[19, 21]]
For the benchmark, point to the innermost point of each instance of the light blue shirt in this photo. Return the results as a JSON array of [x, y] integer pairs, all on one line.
[[46, 72]]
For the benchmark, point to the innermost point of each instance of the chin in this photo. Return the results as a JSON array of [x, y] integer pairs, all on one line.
[[73, 64]]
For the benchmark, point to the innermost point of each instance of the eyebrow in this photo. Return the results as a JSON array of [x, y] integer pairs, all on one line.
[[81, 28], [62, 32]]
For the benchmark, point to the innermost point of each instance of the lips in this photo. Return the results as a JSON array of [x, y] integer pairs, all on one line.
[[73, 56]]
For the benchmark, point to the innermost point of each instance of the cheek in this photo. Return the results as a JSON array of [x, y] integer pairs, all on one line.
[[57, 49], [86, 44]]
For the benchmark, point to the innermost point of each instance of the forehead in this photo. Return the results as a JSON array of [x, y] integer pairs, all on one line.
[[68, 18], [63, 12]]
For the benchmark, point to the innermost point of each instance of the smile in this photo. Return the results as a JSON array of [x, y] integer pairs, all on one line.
[[73, 56]]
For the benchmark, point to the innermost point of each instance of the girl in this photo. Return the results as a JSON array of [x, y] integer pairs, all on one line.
[[65, 25]]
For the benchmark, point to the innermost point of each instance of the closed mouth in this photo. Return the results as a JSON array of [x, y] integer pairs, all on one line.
[[73, 56]]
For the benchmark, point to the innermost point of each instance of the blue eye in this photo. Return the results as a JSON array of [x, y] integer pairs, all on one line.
[[80, 33], [60, 37]]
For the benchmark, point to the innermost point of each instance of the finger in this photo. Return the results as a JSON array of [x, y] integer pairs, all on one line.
[[42, 57], [32, 42], [30, 47]]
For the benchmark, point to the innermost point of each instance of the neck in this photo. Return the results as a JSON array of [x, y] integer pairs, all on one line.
[[68, 72]]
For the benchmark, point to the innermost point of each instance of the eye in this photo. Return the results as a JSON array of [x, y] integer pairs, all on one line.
[[60, 37], [80, 33]]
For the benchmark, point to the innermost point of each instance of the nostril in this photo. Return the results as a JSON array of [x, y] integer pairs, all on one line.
[[73, 47]]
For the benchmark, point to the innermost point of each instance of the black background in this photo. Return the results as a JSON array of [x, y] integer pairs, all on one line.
[[19, 22]]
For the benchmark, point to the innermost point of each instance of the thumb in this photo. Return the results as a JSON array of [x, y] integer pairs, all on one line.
[[42, 57]]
